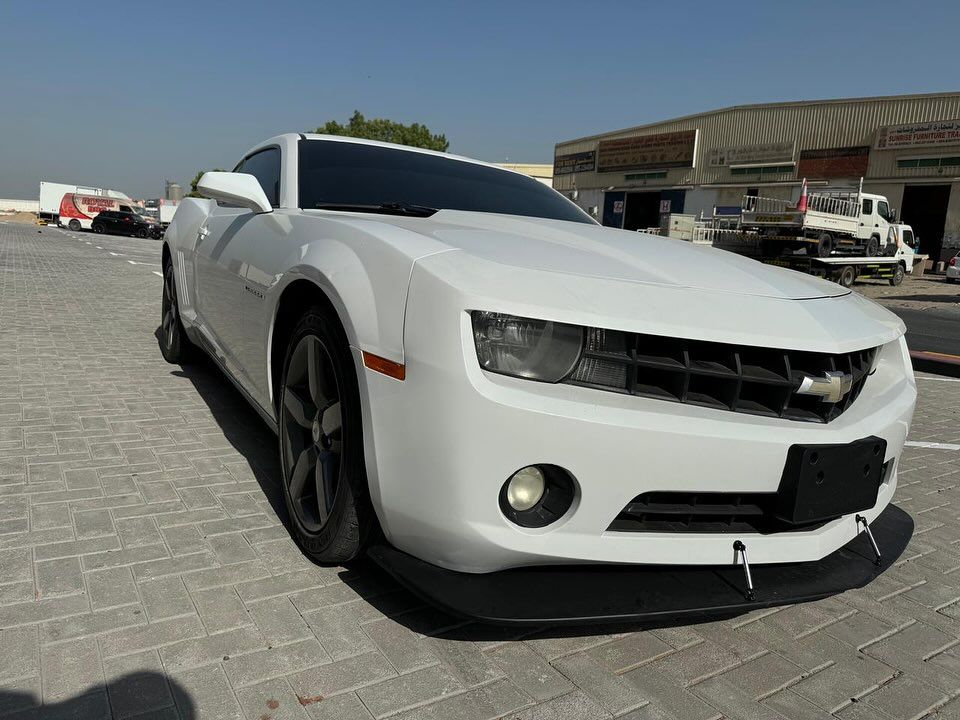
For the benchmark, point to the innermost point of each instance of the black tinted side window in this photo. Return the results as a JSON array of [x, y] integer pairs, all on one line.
[[265, 167]]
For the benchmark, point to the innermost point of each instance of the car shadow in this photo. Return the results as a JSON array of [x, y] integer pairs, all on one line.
[[134, 693], [250, 436], [945, 298], [241, 425]]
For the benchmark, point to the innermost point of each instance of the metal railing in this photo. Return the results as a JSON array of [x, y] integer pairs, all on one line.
[[831, 204], [722, 236], [757, 204]]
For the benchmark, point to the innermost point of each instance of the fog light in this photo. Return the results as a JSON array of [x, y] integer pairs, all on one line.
[[537, 495], [525, 488]]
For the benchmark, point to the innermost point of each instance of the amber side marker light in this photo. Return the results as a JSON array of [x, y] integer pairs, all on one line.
[[382, 365]]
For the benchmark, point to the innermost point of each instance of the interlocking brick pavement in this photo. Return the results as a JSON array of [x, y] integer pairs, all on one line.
[[145, 570]]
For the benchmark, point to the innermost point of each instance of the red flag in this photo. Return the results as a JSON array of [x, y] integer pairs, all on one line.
[[802, 202]]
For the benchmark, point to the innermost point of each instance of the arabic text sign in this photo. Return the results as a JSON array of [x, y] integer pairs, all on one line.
[[575, 162], [664, 150], [937, 132], [743, 154]]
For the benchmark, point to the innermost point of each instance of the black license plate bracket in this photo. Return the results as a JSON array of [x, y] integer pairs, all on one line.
[[823, 482]]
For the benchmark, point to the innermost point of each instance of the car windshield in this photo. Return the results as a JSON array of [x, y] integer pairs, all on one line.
[[368, 178]]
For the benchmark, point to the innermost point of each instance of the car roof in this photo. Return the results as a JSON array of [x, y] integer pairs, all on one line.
[[282, 139]]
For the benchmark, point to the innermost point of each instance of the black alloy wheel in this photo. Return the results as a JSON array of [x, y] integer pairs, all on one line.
[[98, 228], [141, 233], [174, 344], [321, 453]]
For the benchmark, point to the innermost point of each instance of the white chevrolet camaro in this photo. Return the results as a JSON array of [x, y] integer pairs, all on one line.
[[522, 414]]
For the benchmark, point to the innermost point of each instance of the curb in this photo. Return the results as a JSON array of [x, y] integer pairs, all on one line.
[[936, 363]]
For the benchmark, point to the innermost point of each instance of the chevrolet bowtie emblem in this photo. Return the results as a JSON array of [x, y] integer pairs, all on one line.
[[829, 388]]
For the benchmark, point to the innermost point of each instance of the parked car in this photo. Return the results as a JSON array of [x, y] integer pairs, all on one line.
[[528, 417], [122, 222], [953, 268]]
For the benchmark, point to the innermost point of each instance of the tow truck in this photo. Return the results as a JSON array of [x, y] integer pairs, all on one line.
[[845, 269]]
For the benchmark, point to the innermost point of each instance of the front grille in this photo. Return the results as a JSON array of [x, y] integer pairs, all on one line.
[[740, 378]]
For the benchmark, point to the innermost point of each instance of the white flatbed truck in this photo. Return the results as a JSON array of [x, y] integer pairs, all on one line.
[[855, 222], [845, 269]]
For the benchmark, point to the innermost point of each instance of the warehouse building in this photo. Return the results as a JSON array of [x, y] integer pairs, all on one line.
[[906, 147]]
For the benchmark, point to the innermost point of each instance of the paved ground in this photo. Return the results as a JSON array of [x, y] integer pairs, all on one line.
[[930, 292], [144, 570]]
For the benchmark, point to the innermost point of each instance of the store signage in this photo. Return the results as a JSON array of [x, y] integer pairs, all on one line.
[[663, 150], [617, 207], [850, 162], [746, 154], [575, 162], [922, 134]]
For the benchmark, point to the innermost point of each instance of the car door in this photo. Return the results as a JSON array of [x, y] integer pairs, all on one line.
[[220, 264], [108, 218]]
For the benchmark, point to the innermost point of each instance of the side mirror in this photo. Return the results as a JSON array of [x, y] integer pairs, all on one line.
[[236, 189]]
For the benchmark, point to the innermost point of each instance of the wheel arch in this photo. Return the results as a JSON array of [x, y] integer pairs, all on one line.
[[296, 296]]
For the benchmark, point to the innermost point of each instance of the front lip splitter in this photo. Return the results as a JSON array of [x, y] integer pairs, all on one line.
[[578, 594]]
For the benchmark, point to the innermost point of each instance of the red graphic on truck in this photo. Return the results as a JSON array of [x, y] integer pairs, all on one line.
[[85, 207]]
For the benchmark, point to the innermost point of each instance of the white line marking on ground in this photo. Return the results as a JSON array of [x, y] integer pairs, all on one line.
[[131, 262], [158, 273], [116, 254], [98, 247], [940, 379], [932, 445]]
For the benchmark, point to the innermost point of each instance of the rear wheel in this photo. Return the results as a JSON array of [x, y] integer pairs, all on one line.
[[847, 275], [74, 225], [174, 344], [321, 443], [824, 245], [873, 246], [898, 273]]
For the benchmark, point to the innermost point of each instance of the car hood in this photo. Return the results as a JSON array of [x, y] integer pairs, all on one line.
[[584, 250]]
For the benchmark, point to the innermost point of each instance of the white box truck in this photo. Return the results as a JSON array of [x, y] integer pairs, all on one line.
[[51, 194]]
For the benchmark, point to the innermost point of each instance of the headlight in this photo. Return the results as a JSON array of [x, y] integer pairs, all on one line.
[[523, 347]]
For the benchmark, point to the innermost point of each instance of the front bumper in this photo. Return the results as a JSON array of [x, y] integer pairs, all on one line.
[[604, 594], [440, 445]]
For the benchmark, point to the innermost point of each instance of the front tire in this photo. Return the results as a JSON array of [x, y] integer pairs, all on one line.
[[141, 234], [321, 442], [98, 228], [897, 278]]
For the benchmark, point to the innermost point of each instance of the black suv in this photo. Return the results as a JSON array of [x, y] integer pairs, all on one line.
[[122, 222]]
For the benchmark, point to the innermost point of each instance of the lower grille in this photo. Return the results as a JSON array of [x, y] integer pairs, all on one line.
[[704, 513], [710, 512], [740, 378]]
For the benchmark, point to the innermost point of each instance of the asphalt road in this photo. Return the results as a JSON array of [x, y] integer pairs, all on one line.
[[932, 330]]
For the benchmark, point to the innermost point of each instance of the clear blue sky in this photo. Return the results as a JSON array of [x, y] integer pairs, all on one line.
[[126, 94]]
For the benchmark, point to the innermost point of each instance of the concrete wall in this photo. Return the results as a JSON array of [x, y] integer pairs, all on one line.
[[19, 205]]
